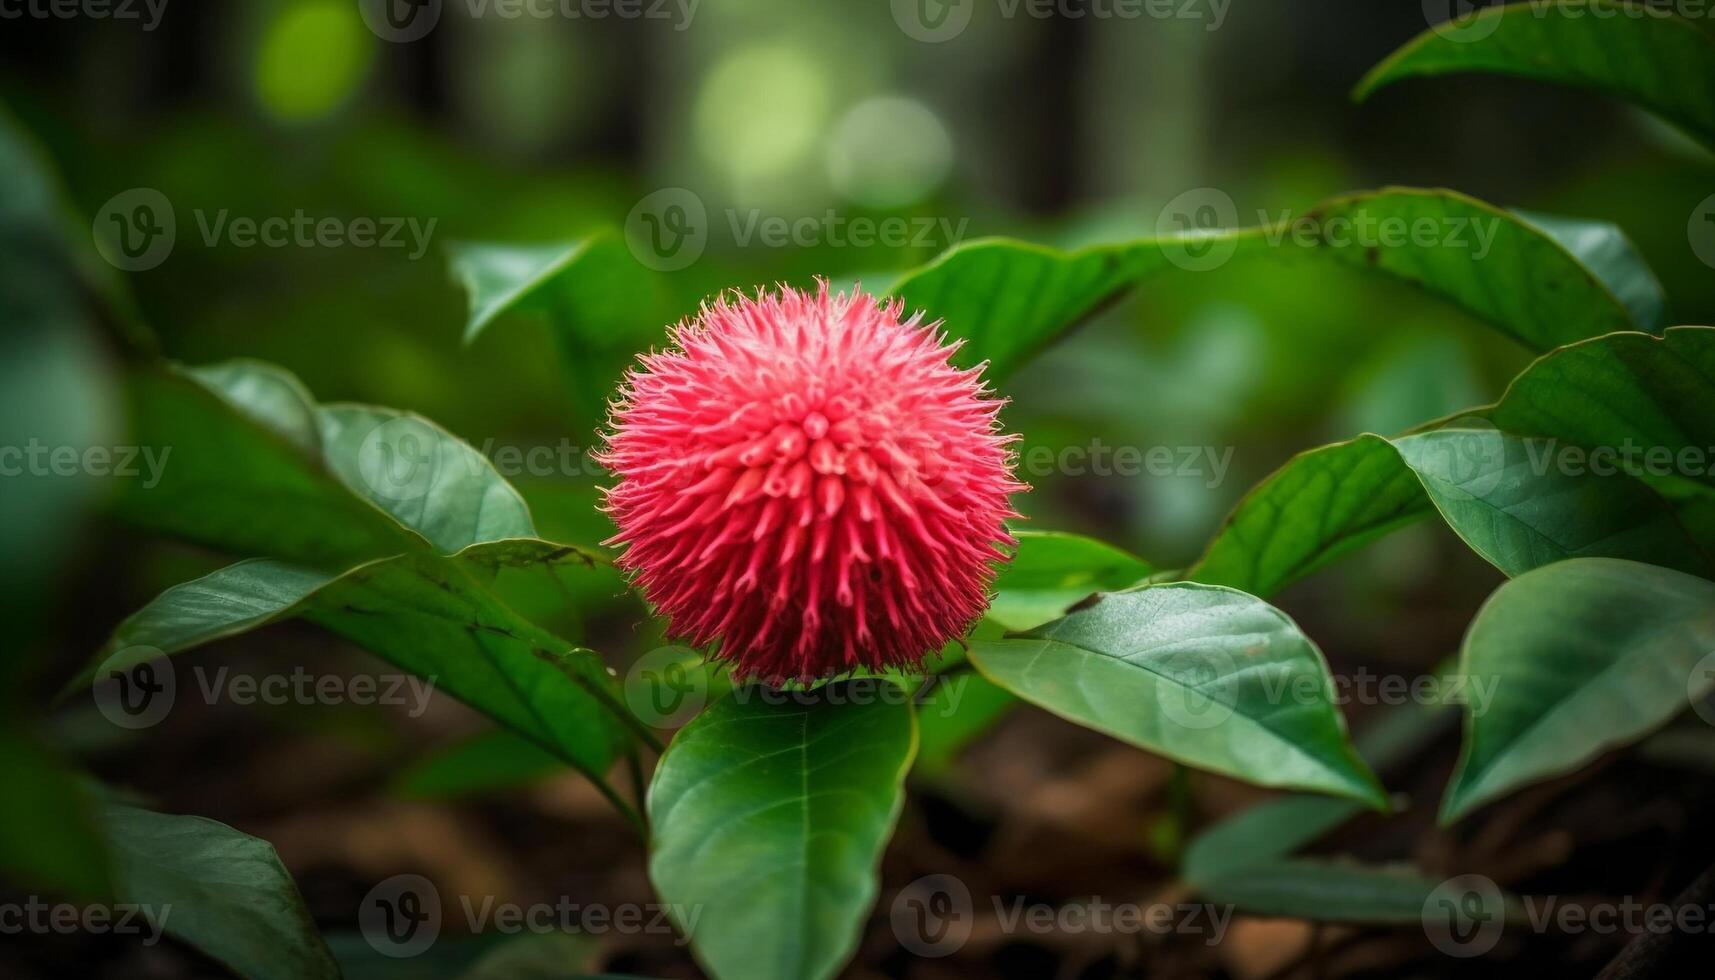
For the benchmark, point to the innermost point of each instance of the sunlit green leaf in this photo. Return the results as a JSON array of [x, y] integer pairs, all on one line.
[[1204, 675], [1053, 570], [770, 820]]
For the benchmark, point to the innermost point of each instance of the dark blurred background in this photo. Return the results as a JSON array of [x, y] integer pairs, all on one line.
[[1060, 130]]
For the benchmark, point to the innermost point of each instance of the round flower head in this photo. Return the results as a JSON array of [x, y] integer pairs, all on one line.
[[810, 481]]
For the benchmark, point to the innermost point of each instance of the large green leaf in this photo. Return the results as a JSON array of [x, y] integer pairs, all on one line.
[[1655, 395], [1052, 570], [256, 467], [1204, 675], [1009, 299], [1586, 655], [1651, 57], [425, 613], [1518, 503], [770, 819], [49, 837], [223, 892], [1522, 504]]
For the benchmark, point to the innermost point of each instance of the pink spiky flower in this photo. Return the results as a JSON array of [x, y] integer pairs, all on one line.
[[809, 480]]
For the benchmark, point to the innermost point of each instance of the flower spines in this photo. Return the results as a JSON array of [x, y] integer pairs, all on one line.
[[809, 481]]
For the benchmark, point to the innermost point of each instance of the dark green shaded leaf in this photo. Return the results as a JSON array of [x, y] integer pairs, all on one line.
[[49, 837], [1587, 655], [1653, 58], [426, 614], [223, 892]]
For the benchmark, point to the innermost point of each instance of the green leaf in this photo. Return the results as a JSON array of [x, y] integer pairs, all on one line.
[[430, 480], [223, 892], [49, 837], [424, 613], [1522, 504], [587, 285], [1203, 675], [1052, 570], [1586, 655], [1326, 891], [1323, 504], [244, 482], [1656, 394], [494, 760], [1606, 251], [1661, 61], [1010, 299], [1518, 503], [769, 822], [250, 464]]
